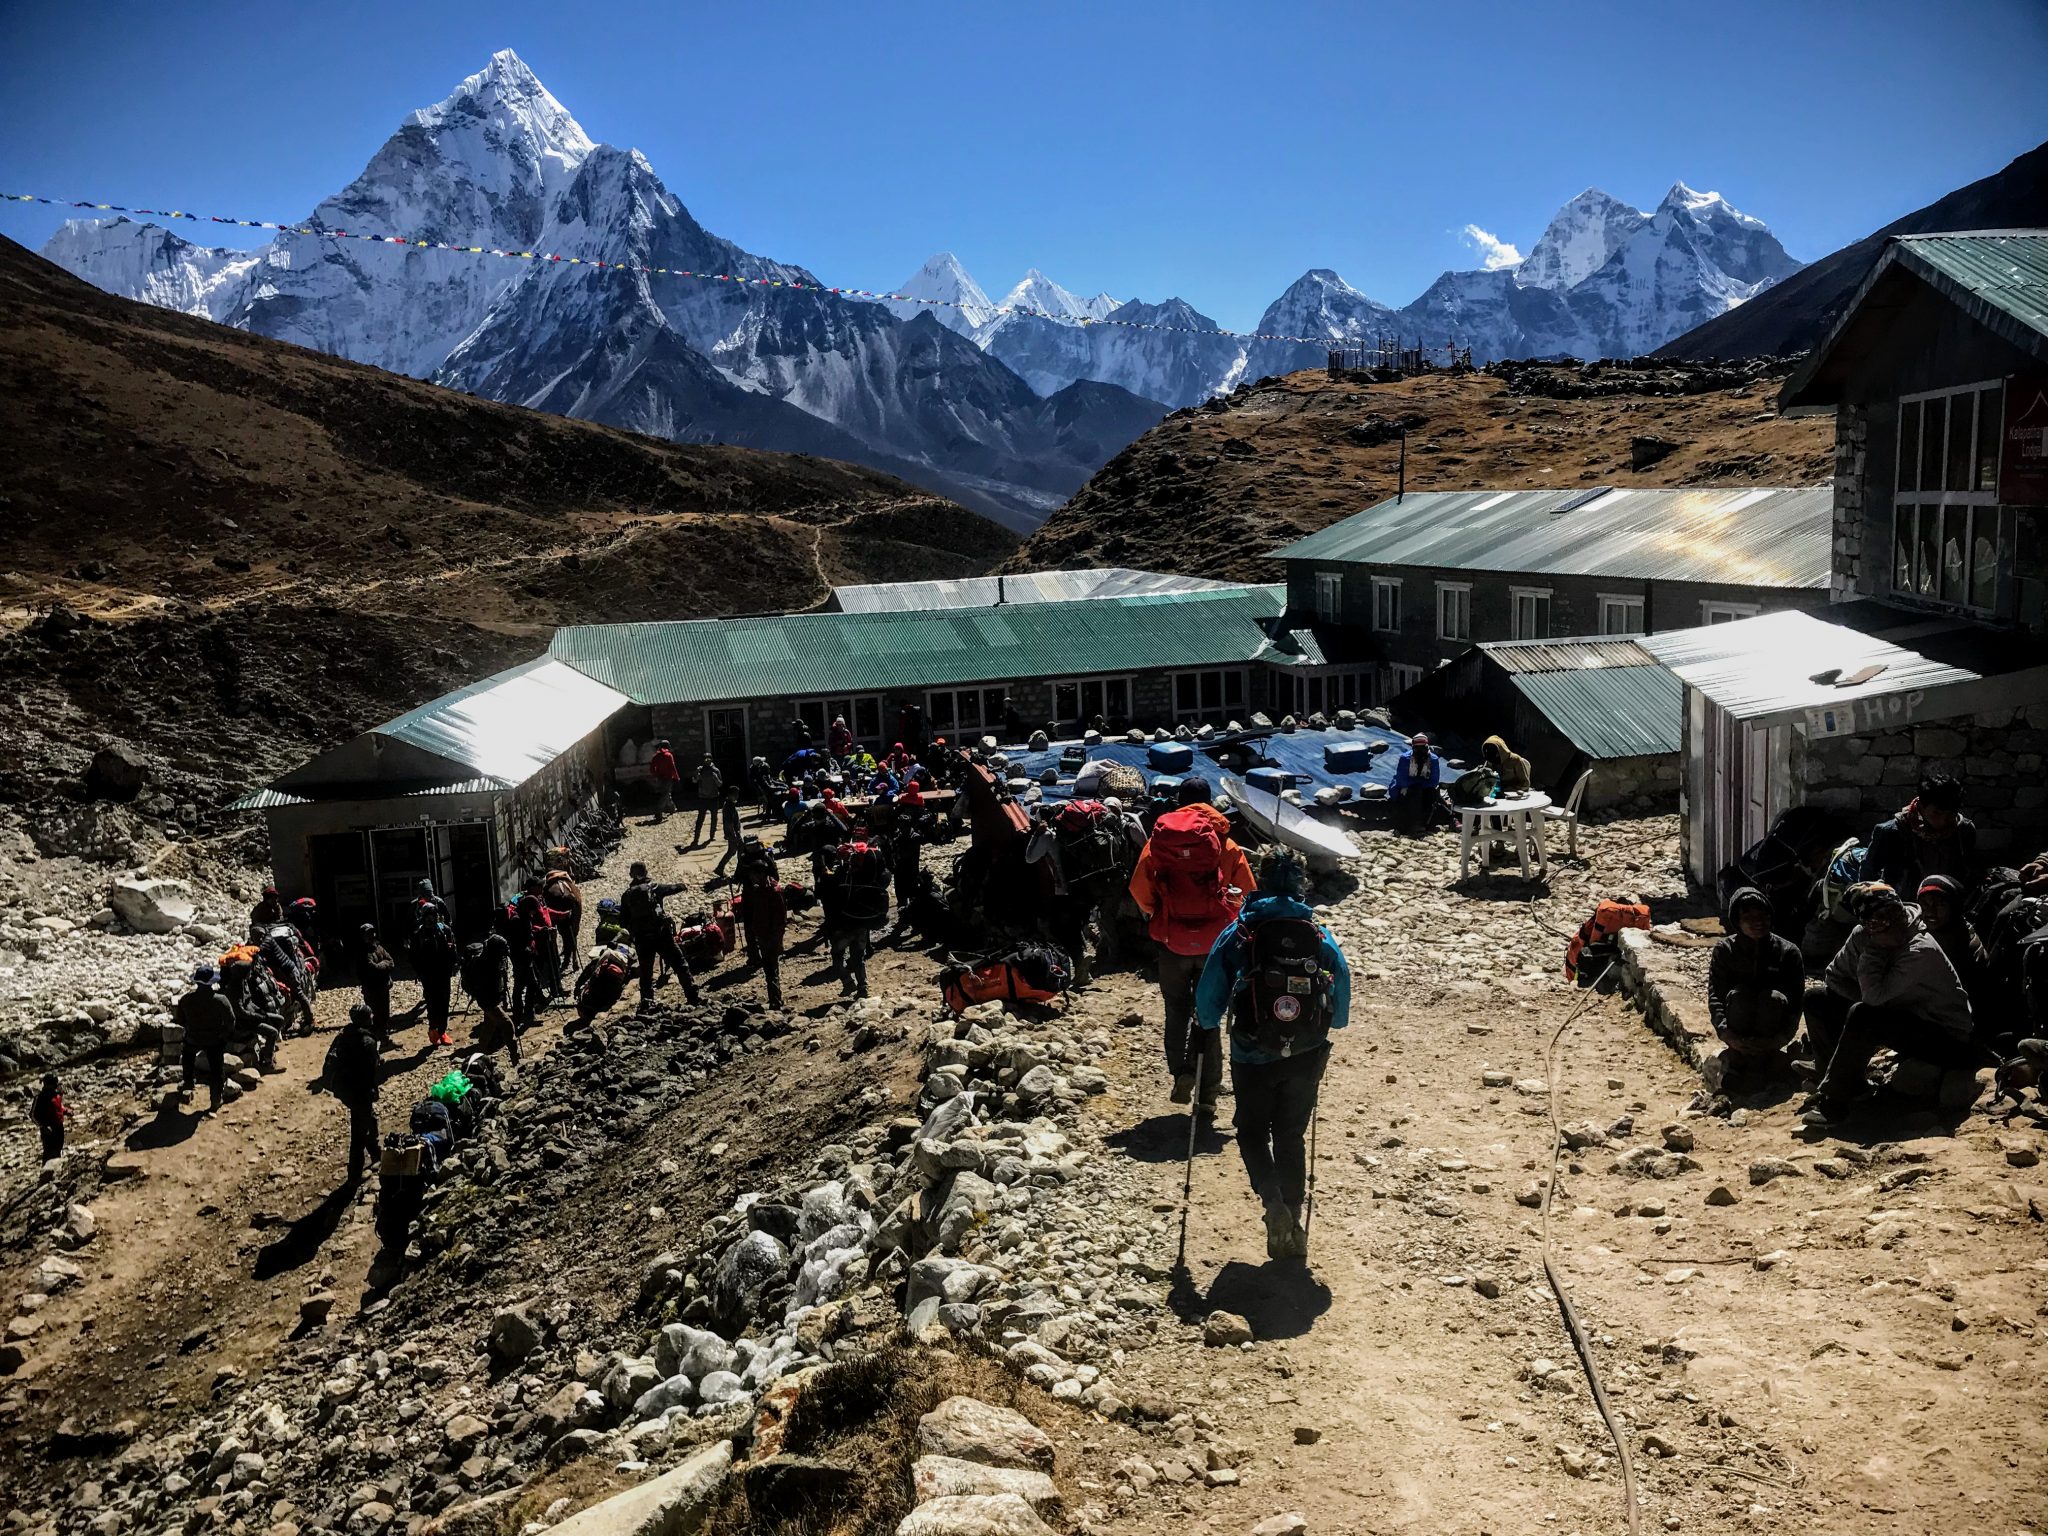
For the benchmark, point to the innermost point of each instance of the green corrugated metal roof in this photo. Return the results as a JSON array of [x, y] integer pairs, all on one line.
[[2004, 269], [792, 655], [1610, 711], [1998, 277]]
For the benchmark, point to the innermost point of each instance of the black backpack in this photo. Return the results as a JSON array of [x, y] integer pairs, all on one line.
[[639, 909], [1091, 841], [482, 980], [864, 883], [1284, 997], [432, 946]]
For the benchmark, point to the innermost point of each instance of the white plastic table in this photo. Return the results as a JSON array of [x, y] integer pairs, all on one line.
[[1519, 818]]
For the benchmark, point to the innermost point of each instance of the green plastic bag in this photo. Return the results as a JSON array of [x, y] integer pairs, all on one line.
[[452, 1089]]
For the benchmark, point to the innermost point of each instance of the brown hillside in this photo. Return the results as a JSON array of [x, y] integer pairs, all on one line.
[[273, 548], [1212, 488]]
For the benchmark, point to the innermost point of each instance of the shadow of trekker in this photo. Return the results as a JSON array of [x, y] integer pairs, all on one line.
[[171, 1124], [1281, 1298], [300, 1242], [1164, 1139]]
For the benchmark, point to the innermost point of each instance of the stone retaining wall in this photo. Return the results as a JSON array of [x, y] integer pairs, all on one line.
[[1997, 753]]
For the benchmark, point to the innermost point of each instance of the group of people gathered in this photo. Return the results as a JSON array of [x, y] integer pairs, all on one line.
[[1920, 949]]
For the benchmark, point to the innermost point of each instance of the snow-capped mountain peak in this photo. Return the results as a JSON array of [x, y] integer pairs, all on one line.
[[959, 303], [1580, 238], [1038, 292], [512, 107], [148, 262]]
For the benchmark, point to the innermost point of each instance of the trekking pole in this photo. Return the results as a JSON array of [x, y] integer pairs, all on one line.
[[1308, 1212], [1187, 1190]]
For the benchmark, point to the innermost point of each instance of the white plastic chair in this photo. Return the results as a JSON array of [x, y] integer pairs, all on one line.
[[1568, 813]]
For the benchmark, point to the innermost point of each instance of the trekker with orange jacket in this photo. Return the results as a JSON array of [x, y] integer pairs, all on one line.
[[1190, 882]]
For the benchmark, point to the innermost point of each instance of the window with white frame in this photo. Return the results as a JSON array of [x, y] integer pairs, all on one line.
[[1945, 515], [1386, 604], [1211, 694], [1329, 596], [1327, 692], [964, 709], [1727, 613], [862, 714], [1620, 614], [1401, 676], [1454, 610], [1531, 613], [1079, 700]]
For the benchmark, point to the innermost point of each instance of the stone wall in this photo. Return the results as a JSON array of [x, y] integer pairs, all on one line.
[[1852, 453], [1640, 785], [1997, 753]]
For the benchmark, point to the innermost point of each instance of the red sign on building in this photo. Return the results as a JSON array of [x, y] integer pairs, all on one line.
[[2023, 450]]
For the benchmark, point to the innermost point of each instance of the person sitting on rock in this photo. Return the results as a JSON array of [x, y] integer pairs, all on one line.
[[1942, 910], [1283, 983], [1756, 982], [1889, 985], [268, 912], [1929, 836], [1413, 795], [1510, 768]]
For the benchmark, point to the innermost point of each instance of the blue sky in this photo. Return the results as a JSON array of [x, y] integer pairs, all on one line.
[[1206, 150]]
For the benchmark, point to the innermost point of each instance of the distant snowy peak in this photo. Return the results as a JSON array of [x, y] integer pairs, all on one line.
[[954, 298], [1041, 294], [1321, 305], [148, 262], [1579, 240]]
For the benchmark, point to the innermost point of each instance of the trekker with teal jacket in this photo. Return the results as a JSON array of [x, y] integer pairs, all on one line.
[[1284, 985]]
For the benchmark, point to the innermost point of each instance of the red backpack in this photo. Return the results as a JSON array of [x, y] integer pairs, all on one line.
[[1187, 857]]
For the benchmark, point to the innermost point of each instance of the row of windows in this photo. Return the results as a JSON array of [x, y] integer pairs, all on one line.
[[1620, 614], [1208, 694]]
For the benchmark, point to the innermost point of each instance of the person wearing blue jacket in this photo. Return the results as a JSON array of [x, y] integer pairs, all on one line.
[[1413, 794], [1283, 984]]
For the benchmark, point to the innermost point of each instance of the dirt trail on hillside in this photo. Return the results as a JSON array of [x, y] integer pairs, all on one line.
[[1856, 1353], [1852, 1343]]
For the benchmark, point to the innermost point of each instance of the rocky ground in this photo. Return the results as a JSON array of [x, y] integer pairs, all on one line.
[[1836, 1336], [1213, 488]]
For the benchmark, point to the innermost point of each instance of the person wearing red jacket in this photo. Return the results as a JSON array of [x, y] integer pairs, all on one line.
[[1190, 882], [49, 1114], [662, 769]]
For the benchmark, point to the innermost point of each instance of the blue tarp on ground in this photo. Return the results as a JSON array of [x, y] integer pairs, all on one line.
[[1300, 753]]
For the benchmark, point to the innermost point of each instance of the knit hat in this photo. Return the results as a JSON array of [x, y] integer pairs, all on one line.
[[1867, 897], [1281, 872], [1418, 740], [360, 1016]]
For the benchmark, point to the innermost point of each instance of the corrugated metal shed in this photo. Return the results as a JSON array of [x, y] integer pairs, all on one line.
[[510, 726], [709, 660], [496, 733], [1762, 668], [1761, 537], [1025, 587], [1607, 712]]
